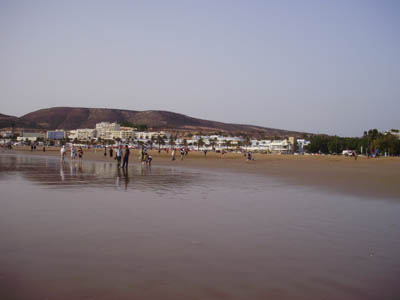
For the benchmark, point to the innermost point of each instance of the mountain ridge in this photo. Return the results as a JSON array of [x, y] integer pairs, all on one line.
[[70, 118]]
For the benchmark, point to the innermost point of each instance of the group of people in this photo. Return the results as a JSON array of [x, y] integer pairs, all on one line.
[[183, 152], [74, 153], [145, 157], [119, 155], [123, 156]]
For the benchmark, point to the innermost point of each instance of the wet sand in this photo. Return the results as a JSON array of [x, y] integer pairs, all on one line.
[[92, 231], [378, 177]]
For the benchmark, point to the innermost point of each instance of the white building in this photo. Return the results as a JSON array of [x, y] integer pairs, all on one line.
[[86, 134], [104, 129], [56, 134], [6, 133], [31, 136]]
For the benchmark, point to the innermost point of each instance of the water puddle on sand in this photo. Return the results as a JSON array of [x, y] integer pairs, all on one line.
[[91, 231]]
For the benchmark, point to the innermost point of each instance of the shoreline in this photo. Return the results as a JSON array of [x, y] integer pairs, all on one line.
[[377, 177]]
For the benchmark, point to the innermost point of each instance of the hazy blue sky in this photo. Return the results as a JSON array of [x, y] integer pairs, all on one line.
[[317, 66]]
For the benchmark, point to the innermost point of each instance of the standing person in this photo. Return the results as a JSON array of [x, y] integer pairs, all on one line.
[[126, 157], [142, 154], [62, 152], [118, 156], [249, 156], [173, 154], [111, 152], [182, 153], [105, 150], [80, 154], [72, 153], [149, 159]]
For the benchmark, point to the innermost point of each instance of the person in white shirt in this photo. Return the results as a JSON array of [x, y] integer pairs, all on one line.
[[62, 151]]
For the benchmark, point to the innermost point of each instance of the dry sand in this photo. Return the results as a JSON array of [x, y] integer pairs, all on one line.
[[375, 177]]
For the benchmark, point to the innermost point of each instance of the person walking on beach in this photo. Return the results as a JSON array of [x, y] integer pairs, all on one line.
[[182, 153], [126, 157], [142, 154], [80, 154], [72, 153], [249, 156], [118, 156], [105, 150], [111, 152], [173, 154], [62, 152]]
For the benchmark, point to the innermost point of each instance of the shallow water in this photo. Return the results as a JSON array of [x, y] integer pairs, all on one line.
[[93, 232]]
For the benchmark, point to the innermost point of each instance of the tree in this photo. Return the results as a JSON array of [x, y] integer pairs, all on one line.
[[172, 140], [239, 145], [153, 140], [200, 143], [247, 141], [213, 143], [160, 141], [228, 144]]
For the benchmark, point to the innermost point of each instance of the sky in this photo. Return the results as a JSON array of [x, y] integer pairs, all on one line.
[[315, 66]]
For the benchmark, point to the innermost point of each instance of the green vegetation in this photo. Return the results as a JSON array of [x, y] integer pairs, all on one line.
[[370, 142], [139, 127]]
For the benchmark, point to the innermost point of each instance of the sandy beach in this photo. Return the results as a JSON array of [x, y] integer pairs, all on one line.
[[377, 177]]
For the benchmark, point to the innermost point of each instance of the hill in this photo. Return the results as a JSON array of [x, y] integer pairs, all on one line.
[[77, 117]]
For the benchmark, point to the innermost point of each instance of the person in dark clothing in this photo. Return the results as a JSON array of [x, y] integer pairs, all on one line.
[[111, 151], [105, 151], [126, 157]]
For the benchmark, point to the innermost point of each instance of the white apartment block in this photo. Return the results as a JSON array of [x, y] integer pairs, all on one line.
[[104, 129], [86, 134]]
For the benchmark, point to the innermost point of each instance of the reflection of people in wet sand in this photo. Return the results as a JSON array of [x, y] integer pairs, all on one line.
[[118, 178], [62, 172], [62, 152], [126, 157], [125, 171]]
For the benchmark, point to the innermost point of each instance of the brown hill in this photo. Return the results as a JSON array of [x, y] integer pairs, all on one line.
[[15, 122], [72, 118]]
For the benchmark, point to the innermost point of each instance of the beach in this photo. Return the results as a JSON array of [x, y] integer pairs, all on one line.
[[201, 228], [375, 177]]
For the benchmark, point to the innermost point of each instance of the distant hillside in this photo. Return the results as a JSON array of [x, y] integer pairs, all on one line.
[[11, 121], [73, 118]]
